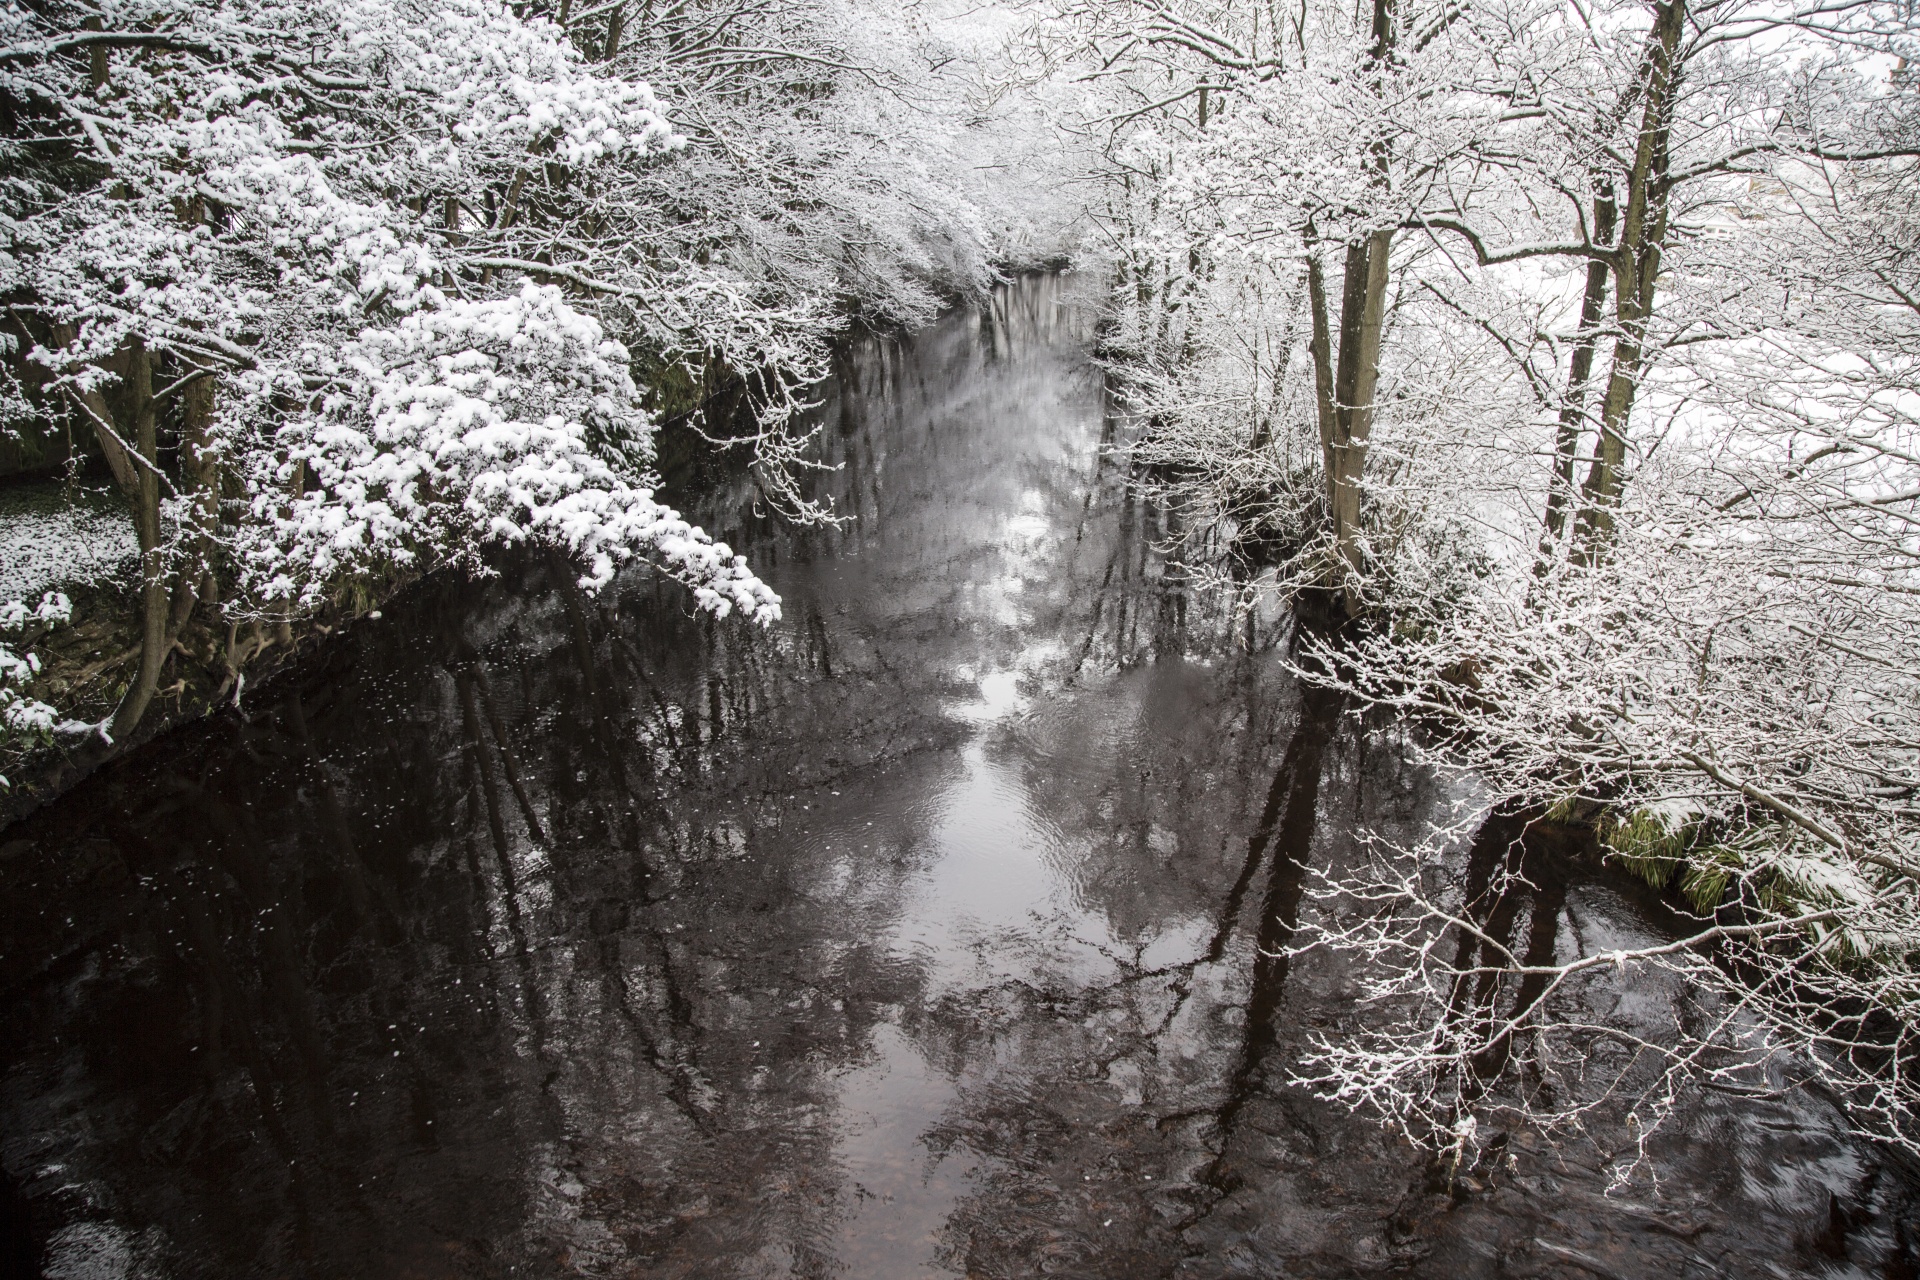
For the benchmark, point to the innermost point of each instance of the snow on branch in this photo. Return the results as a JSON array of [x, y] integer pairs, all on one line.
[[25, 719], [1573, 351], [504, 421]]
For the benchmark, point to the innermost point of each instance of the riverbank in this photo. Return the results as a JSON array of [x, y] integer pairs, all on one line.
[[941, 928], [87, 663], [70, 533]]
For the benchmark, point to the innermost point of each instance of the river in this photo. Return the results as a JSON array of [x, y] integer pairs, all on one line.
[[935, 932]]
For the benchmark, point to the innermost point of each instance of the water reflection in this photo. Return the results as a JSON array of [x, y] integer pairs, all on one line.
[[938, 932]]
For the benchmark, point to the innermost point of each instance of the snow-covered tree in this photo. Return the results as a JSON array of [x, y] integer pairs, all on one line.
[[220, 222], [349, 290], [1618, 374]]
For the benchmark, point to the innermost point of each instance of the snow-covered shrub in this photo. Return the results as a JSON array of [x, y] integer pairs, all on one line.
[[24, 719], [472, 423]]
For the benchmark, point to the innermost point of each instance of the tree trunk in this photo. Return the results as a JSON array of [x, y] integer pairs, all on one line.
[[1345, 379], [1566, 444], [154, 602], [198, 469], [1322, 352], [1636, 266], [1362, 317], [98, 67], [615, 25]]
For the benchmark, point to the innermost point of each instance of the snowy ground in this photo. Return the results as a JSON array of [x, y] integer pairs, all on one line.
[[57, 535]]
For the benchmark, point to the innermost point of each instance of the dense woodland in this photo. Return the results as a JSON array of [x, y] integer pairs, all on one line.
[[1556, 359]]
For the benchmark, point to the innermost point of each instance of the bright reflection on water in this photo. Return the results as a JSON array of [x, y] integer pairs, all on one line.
[[940, 931]]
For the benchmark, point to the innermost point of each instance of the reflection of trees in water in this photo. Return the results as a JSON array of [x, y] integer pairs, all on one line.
[[444, 959], [1284, 841], [1144, 1125], [1509, 878], [505, 938], [476, 927], [1114, 1132]]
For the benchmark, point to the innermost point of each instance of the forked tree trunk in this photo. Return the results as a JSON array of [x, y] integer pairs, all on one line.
[[1346, 378], [129, 440], [1636, 267]]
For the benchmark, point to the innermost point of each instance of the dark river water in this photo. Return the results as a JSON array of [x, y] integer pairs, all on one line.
[[933, 932]]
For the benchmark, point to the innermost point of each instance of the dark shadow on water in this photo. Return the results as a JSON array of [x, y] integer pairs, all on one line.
[[1293, 800]]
